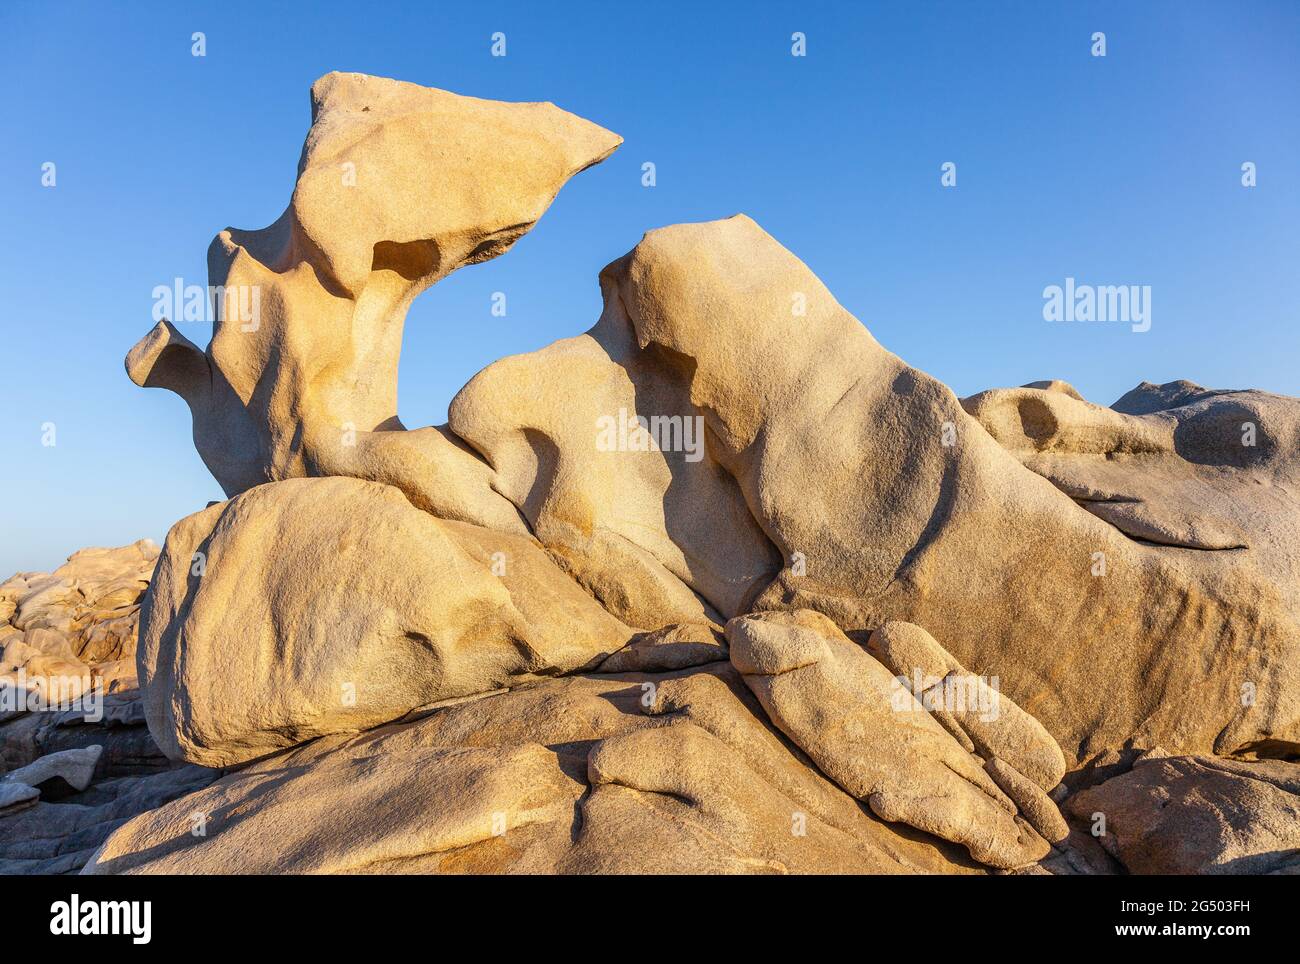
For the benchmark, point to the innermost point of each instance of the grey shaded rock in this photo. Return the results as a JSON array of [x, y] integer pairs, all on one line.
[[75, 768], [16, 796], [128, 748], [1148, 398], [1199, 815], [58, 838]]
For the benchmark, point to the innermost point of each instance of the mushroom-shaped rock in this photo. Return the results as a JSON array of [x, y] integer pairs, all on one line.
[[398, 185]]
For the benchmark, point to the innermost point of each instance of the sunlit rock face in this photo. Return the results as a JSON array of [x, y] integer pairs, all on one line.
[[726, 447], [398, 186]]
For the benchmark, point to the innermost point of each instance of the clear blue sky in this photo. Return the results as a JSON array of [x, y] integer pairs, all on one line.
[[1122, 170]]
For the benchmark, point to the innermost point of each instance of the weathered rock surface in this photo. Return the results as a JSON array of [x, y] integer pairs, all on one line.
[[398, 185], [1199, 815], [73, 657], [326, 605], [727, 444], [676, 646], [870, 735], [909, 509], [990, 721], [75, 620], [72, 769], [632, 774], [16, 796], [91, 764], [1038, 809], [641, 511]]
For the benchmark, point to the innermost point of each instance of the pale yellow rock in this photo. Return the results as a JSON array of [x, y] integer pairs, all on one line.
[[16, 653], [48, 604], [56, 678], [501, 785], [673, 647], [418, 805], [108, 578], [1038, 809], [50, 642], [314, 606], [1056, 385], [1130, 576], [82, 613], [910, 651], [598, 444], [868, 733], [111, 636], [900, 505], [708, 795], [398, 185], [116, 676], [990, 720]]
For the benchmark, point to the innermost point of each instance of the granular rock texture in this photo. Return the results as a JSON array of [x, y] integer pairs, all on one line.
[[76, 756], [719, 585]]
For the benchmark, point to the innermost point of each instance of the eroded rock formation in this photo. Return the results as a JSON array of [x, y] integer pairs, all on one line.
[[76, 756], [721, 573], [313, 606]]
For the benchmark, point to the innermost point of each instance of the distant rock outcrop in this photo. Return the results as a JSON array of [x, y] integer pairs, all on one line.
[[73, 739]]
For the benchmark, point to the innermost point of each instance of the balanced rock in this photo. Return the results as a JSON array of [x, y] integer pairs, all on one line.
[[398, 186], [704, 454], [677, 459]]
